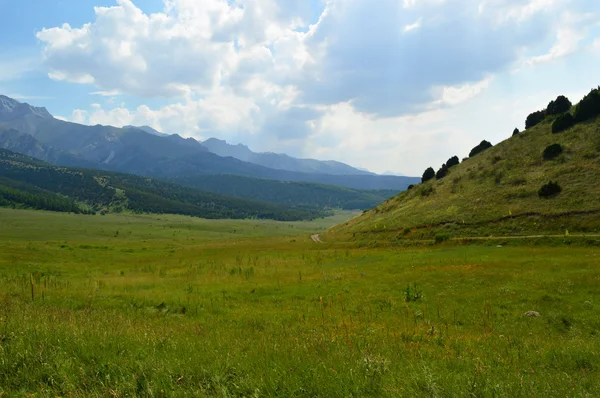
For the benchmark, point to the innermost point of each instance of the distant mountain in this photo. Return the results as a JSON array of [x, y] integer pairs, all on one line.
[[30, 183], [280, 161], [12, 109], [133, 150], [148, 130]]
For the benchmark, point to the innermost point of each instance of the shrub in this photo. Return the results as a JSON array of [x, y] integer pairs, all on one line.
[[515, 131], [442, 172], [411, 186], [534, 118], [563, 123], [560, 105], [442, 237], [453, 161], [412, 293], [428, 174], [589, 106], [552, 151], [550, 189], [483, 145]]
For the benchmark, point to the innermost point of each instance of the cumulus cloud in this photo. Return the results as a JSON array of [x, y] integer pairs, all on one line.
[[292, 73]]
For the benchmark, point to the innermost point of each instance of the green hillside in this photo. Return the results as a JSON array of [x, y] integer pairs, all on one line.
[[303, 194], [30, 183], [498, 190]]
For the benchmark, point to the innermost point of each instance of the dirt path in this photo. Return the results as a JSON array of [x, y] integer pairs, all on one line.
[[522, 237], [317, 239]]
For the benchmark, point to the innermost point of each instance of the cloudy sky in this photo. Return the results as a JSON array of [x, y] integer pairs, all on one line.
[[393, 85]]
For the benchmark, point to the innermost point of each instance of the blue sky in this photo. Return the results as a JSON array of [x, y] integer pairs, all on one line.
[[394, 85]]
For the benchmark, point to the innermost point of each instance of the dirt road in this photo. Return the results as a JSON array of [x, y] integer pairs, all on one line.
[[316, 238]]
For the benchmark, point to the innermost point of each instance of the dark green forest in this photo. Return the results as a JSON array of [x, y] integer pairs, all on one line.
[[29, 183], [297, 194]]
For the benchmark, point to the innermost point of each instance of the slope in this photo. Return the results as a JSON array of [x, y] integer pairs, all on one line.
[[497, 192], [280, 161], [28, 182], [133, 150], [303, 194]]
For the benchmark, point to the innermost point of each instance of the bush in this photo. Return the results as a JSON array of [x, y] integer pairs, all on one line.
[[550, 189], [453, 161], [563, 123], [442, 237], [552, 151], [442, 172], [515, 131], [483, 145], [560, 105], [428, 174], [589, 106], [411, 186], [534, 118]]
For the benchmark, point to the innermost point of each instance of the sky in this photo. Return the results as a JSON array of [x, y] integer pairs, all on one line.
[[387, 85]]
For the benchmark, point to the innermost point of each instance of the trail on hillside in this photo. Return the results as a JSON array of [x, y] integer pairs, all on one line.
[[316, 238], [523, 237]]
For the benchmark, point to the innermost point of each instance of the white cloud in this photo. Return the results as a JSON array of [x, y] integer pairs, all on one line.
[[362, 82], [12, 69], [571, 31], [454, 95], [111, 93], [413, 26]]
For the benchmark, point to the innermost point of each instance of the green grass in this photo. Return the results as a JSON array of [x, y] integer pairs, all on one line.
[[496, 193], [177, 306]]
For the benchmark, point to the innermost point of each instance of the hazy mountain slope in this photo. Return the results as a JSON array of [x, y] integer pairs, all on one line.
[[26, 144], [28, 182], [210, 163], [496, 192], [136, 151], [280, 161], [304, 194], [148, 130]]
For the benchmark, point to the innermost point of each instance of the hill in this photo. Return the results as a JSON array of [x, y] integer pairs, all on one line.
[[280, 161], [30, 183], [297, 194], [498, 191], [138, 151]]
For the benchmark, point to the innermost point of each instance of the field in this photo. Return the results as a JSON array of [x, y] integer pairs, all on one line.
[[124, 305]]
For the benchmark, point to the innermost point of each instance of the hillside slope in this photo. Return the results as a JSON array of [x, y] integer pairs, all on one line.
[[280, 161], [303, 194], [496, 192], [30, 183]]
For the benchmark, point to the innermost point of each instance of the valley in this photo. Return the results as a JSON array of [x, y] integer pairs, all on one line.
[[163, 305]]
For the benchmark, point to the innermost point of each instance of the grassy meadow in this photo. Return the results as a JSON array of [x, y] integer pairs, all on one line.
[[161, 306]]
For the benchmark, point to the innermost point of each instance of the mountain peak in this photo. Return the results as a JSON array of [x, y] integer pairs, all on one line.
[[11, 108], [147, 129]]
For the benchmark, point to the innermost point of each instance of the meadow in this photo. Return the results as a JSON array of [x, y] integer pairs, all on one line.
[[162, 305]]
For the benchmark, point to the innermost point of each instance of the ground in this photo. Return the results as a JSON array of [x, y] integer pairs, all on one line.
[[125, 305]]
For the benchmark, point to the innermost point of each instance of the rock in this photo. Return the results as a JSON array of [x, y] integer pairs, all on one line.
[[534, 314]]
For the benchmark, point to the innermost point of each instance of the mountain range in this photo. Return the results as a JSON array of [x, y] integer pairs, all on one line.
[[280, 161], [144, 151]]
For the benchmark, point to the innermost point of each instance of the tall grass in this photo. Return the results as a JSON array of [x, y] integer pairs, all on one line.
[[189, 312]]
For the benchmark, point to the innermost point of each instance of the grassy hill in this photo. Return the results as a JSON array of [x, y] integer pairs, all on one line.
[[496, 192], [26, 182]]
